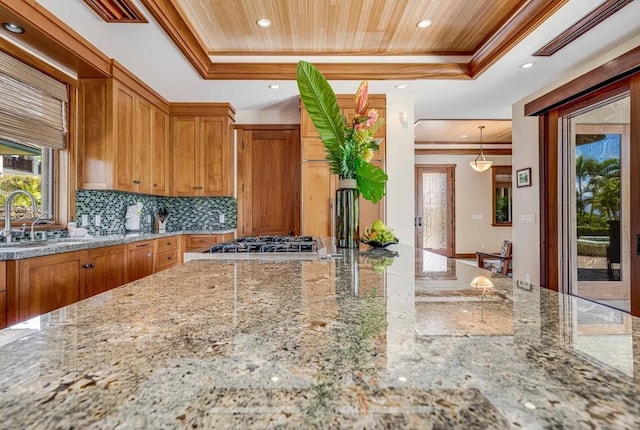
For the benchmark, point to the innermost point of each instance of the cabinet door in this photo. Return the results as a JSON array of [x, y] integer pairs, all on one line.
[[141, 148], [95, 141], [185, 156], [160, 153], [318, 192], [48, 283], [105, 269], [139, 260], [217, 142], [124, 100]]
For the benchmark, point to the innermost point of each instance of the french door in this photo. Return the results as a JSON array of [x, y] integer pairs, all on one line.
[[595, 211], [435, 208]]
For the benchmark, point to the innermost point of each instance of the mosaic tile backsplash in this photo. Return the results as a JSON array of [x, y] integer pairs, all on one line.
[[185, 213]]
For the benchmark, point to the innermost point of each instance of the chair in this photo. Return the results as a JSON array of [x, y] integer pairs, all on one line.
[[497, 262]]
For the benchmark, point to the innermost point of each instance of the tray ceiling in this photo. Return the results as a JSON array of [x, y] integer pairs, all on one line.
[[348, 39]]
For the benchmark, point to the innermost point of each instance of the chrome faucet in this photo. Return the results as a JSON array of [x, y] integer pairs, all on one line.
[[32, 235], [7, 211]]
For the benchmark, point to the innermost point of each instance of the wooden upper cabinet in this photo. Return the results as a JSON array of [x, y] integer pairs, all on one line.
[[160, 153], [122, 138], [202, 150]]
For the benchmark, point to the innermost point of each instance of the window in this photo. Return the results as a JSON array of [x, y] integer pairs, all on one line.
[[502, 195], [33, 111]]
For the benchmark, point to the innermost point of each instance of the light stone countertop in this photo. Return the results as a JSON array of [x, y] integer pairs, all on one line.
[[345, 343], [28, 249]]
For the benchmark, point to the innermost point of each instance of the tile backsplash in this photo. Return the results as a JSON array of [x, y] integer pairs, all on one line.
[[185, 213]]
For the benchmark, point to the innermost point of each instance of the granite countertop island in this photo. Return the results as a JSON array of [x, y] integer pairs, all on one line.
[[363, 341]]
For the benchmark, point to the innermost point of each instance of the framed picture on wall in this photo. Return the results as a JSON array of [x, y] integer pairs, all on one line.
[[523, 177]]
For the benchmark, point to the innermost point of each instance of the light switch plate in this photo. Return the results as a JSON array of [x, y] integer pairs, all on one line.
[[97, 220], [527, 219], [477, 216], [85, 220], [221, 218]]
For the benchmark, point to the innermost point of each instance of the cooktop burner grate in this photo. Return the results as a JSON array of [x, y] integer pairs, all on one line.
[[267, 244]]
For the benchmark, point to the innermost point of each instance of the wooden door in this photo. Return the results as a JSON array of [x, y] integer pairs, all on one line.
[[139, 260], [185, 156], [269, 181], [435, 209], [160, 153], [106, 267], [141, 148], [318, 193], [48, 283], [216, 140], [124, 132]]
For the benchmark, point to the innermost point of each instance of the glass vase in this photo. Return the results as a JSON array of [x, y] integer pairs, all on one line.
[[347, 214]]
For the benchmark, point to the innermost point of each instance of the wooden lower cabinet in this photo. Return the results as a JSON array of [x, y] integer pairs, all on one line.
[[139, 260], [3, 294], [167, 253], [46, 283], [104, 269], [197, 241]]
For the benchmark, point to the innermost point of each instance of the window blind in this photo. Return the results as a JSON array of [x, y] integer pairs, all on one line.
[[32, 105]]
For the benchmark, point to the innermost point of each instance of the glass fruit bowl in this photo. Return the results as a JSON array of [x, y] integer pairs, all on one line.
[[374, 239]]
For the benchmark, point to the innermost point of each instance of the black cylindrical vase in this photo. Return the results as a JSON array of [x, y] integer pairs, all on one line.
[[347, 214]]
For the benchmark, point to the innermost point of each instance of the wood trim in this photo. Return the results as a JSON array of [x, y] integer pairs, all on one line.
[[548, 165], [454, 151], [586, 101], [634, 203], [122, 74], [54, 39], [33, 61], [351, 71], [464, 143], [586, 23], [202, 109], [117, 11], [610, 72], [267, 127], [466, 255], [520, 25], [168, 17]]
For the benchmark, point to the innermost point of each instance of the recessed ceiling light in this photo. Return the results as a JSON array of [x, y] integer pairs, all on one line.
[[465, 135], [423, 23], [526, 65], [401, 86], [263, 22], [13, 28], [274, 86]]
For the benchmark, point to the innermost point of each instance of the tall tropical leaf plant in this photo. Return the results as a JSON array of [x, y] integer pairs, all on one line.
[[349, 144]]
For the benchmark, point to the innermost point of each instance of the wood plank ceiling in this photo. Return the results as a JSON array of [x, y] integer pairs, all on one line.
[[223, 41]]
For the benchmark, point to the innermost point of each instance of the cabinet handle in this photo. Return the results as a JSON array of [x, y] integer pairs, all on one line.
[[92, 266], [197, 188], [144, 245], [136, 181], [169, 258], [150, 254], [86, 266], [169, 243]]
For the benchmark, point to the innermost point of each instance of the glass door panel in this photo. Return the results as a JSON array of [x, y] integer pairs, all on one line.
[[434, 220], [596, 176]]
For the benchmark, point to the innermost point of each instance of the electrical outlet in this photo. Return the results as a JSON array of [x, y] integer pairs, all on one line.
[[85, 220], [527, 278], [221, 218], [97, 220]]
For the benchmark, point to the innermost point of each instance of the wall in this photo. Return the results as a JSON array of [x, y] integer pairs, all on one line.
[[185, 213], [526, 237], [473, 198], [269, 116], [400, 202]]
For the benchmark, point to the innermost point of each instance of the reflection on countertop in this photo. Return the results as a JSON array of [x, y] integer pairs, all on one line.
[[347, 343]]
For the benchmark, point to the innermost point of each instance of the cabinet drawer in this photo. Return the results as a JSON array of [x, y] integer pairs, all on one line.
[[139, 245], [167, 243], [167, 259], [196, 241]]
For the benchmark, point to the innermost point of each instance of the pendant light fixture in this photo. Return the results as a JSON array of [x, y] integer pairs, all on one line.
[[480, 164]]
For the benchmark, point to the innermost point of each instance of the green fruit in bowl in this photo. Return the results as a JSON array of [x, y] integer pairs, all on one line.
[[378, 226]]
